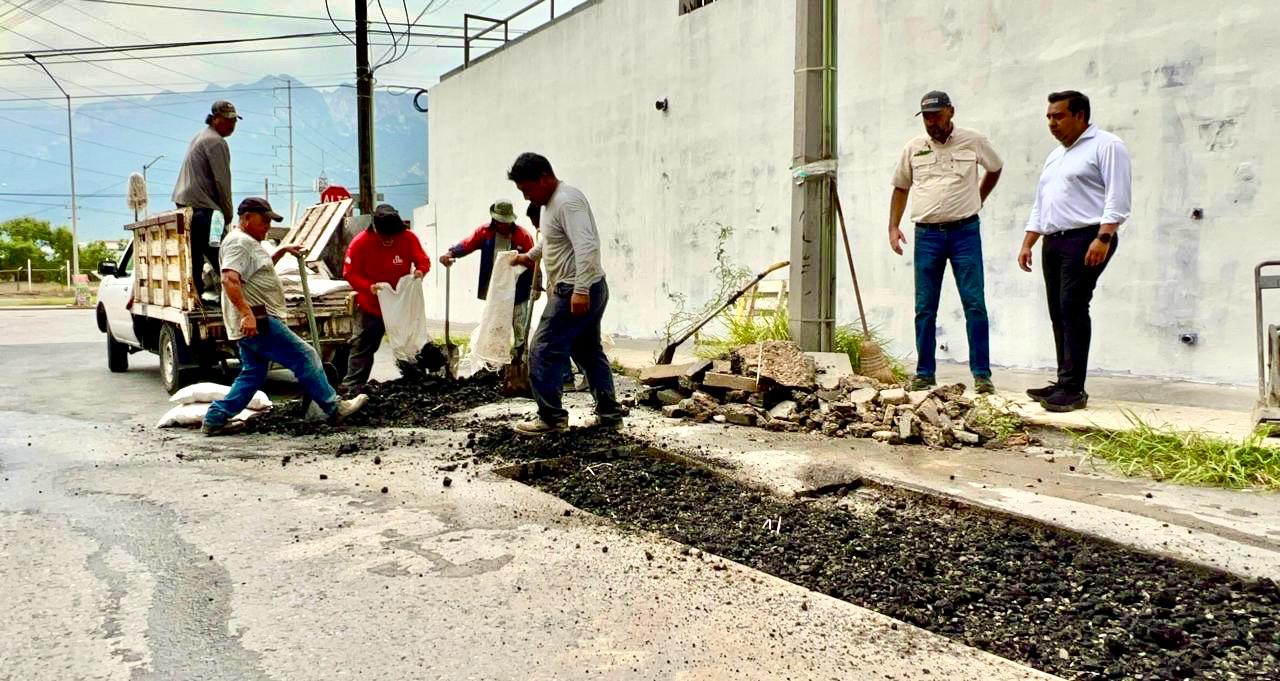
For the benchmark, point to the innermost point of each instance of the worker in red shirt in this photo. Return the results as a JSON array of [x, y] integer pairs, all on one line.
[[378, 257], [499, 235]]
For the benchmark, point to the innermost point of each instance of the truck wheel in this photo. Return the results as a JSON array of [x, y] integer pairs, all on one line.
[[117, 355], [173, 357]]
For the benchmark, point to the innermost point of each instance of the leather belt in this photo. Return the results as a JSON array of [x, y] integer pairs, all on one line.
[[947, 226]]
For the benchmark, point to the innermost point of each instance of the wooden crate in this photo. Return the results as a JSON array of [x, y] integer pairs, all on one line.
[[162, 255]]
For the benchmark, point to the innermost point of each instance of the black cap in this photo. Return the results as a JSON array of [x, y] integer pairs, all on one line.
[[387, 220], [934, 100], [257, 204]]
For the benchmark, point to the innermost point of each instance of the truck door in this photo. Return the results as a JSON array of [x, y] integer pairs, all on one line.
[[114, 294]]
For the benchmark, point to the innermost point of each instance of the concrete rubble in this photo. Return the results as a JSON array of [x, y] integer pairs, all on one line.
[[776, 386]]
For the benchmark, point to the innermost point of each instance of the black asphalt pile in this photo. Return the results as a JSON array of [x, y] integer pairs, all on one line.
[[490, 442], [776, 386], [1071, 606], [419, 401]]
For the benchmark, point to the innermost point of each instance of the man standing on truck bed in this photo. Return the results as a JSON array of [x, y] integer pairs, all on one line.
[[253, 311], [204, 185]]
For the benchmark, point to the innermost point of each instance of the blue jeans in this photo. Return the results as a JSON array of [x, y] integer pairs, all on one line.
[[561, 336], [963, 247], [274, 343]]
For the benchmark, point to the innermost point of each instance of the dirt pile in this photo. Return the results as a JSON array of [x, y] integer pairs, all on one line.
[[779, 389], [419, 401], [1072, 606]]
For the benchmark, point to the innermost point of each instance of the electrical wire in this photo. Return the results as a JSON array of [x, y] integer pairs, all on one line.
[[394, 41], [335, 24], [21, 54], [263, 15]]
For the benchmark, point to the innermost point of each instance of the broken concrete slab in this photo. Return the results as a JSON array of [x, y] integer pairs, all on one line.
[[918, 396], [695, 370], [730, 382], [674, 411], [722, 366], [855, 382], [831, 368], [668, 397], [780, 361], [965, 437], [664, 374], [739, 414], [785, 410], [863, 396], [894, 396]]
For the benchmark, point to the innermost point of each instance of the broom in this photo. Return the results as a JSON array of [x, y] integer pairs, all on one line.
[[874, 363]]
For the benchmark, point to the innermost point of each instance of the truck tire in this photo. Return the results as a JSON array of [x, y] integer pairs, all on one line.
[[117, 355], [174, 374]]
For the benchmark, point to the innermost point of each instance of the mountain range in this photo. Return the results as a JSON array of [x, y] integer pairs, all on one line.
[[117, 136]]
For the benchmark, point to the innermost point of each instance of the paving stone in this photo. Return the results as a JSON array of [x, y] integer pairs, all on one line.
[[863, 396], [729, 382], [831, 368], [663, 374]]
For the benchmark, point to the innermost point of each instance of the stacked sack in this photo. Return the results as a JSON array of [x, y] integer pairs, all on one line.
[[194, 400]]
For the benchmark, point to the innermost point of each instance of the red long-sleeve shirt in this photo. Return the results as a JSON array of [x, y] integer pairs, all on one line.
[[371, 261]]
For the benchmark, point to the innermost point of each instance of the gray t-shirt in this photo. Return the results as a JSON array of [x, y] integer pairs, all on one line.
[[204, 181], [570, 246], [245, 256]]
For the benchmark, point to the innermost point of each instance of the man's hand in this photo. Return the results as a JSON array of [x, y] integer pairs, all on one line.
[[248, 325], [1097, 253], [896, 240], [418, 274], [447, 260], [378, 286], [535, 293], [522, 261], [1024, 258], [580, 303], [294, 250]]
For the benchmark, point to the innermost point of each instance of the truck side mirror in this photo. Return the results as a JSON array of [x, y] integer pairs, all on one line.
[[107, 268]]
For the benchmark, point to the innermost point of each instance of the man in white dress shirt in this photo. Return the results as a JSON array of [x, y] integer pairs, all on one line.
[[1081, 201]]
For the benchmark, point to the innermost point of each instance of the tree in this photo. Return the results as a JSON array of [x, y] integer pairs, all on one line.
[[23, 239], [93, 254]]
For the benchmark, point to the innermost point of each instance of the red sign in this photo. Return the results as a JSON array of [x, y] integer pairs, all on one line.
[[334, 193]]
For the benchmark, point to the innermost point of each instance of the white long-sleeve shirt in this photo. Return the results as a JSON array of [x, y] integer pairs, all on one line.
[[570, 245], [1088, 183]]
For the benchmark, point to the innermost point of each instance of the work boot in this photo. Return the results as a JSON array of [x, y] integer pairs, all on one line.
[[228, 428], [1038, 394], [604, 422], [1064, 400], [923, 383], [983, 385], [348, 407], [536, 426]]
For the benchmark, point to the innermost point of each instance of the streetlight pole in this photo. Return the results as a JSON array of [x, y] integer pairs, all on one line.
[[147, 213], [71, 150]]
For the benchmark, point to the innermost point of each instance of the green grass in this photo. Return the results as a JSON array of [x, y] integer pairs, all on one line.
[[1188, 458], [27, 301], [997, 414]]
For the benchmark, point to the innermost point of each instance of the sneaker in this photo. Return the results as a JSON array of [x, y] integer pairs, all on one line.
[[1063, 401], [228, 428], [983, 386], [536, 426], [923, 383], [348, 407], [1041, 393]]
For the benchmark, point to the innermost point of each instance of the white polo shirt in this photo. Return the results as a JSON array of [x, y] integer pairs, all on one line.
[[1086, 184]]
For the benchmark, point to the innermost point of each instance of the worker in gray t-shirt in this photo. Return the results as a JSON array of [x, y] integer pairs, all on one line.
[[204, 186]]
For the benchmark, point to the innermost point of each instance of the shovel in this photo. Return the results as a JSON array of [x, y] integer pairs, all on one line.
[[669, 353], [450, 350], [330, 371], [515, 379]]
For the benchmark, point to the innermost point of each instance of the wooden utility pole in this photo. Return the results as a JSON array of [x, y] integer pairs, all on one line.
[[364, 108], [812, 301]]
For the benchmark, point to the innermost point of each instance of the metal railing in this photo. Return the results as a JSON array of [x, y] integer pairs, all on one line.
[[493, 26]]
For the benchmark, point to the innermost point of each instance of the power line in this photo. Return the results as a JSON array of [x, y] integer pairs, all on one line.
[[335, 24], [263, 15], [11, 55], [79, 167]]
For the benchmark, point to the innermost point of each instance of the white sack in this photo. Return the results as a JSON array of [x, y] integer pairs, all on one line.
[[493, 339], [404, 312], [212, 392], [190, 415]]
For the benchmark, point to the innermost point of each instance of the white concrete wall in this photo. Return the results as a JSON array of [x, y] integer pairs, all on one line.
[[1189, 86]]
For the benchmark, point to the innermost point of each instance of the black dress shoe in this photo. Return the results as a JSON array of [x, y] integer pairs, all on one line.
[[1039, 394], [1063, 400]]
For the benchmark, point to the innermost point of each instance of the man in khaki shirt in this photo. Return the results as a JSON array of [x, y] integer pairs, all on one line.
[[941, 168]]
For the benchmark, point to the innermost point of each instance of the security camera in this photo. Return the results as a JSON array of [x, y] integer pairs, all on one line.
[[661, 104]]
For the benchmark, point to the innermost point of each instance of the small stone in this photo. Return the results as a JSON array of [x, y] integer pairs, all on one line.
[[323, 476], [377, 461], [719, 418], [648, 555], [784, 410], [965, 437], [384, 490], [883, 435], [668, 397], [674, 411], [604, 549], [447, 481]]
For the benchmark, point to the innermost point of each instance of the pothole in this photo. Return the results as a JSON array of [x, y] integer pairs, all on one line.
[[1070, 605]]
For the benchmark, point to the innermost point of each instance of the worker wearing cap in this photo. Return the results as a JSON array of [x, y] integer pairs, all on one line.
[[378, 257], [253, 312], [939, 170], [204, 185], [499, 235]]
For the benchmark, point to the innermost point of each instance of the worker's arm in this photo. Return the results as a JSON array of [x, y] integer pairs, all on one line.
[[1117, 178], [421, 261], [351, 267], [235, 295], [465, 247], [988, 183], [992, 163], [897, 206], [581, 232], [294, 250]]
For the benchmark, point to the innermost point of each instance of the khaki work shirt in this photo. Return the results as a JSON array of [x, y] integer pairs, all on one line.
[[259, 283], [943, 178]]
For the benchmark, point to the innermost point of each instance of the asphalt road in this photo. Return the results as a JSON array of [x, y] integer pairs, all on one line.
[[132, 553]]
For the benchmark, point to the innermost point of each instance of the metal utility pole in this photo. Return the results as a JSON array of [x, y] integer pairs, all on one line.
[[364, 108], [812, 301], [147, 213], [290, 103], [71, 151], [266, 189]]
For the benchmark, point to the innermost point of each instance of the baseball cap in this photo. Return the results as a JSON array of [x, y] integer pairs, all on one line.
[[255, 204], [225, 109], [934, 100], [387, 220], [502, 211]]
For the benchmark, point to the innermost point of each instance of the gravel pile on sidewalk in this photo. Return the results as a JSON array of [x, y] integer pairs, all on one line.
[[1072, 606], [776, 386]]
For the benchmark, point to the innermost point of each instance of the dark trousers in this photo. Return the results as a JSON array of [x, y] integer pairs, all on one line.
[[962, 247], [201, 223], [1069, 285], [369, 331], [562, 336]]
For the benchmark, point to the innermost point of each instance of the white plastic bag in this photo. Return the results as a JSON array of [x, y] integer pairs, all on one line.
[[191, 415], [212, 392], [492, 340], [404, 312]]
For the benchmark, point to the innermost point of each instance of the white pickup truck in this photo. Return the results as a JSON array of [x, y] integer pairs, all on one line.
[[146, 301]]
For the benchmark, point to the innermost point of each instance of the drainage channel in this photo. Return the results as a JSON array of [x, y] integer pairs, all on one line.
[[1070, 605]]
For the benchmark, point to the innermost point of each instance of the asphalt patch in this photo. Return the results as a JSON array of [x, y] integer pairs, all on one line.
[[1073, 606]]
